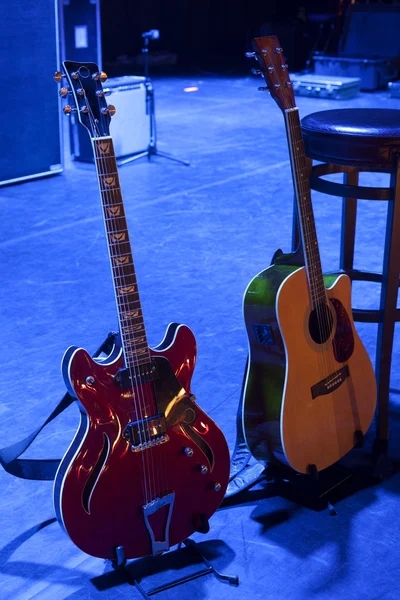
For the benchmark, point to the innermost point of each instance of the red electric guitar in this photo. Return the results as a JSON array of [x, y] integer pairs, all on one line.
[[147, 466]]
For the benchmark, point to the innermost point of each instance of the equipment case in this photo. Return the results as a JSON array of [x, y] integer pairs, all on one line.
[[372, 73], [324, 86], [369, 46]]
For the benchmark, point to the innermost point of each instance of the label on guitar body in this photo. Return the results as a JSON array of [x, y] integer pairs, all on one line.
[[264, 335]]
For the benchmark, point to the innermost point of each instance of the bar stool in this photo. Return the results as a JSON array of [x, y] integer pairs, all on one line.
[[349, 141]]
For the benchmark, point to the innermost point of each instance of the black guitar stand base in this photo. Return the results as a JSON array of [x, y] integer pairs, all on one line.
[[122, 568]]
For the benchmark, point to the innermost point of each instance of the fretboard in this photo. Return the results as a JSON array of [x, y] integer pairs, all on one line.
[[305, 210], [133, 333]]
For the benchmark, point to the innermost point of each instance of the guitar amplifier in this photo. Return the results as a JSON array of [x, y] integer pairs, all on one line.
[[130, 126]]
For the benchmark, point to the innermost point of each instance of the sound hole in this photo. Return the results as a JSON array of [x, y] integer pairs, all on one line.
[[320, 323]]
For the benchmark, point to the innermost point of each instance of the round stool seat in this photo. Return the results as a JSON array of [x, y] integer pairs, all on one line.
[[360, 137]]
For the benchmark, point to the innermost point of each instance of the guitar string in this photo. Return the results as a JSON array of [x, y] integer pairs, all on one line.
[[304, 223], [147, 404], [307, 228], [102, 166], [309, 232], [304, 227], [102, 161], [322, 308], [132, 363]]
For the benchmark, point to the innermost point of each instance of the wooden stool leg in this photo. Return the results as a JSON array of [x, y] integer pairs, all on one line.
[[349, 215], [296, 237], [388, 303]]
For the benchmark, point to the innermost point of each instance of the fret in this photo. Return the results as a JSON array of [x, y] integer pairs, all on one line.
[[132, 328], [105, 165], [109, 189], [137, 342], [125, 277], [110, 204], [118, 231], [137, 336], [129, 314], [137, 351], [125, 281], [133, 359], [123, 247]]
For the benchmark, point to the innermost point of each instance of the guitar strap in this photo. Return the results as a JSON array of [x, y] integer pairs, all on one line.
[[244, 474], [44, 469]]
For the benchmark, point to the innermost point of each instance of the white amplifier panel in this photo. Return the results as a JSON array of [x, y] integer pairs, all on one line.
[[130, 126]]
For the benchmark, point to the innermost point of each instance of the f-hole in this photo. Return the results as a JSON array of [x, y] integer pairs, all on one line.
[[95, 474]]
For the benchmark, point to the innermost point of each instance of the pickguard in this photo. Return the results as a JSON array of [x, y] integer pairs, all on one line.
[[343, 340], [177, 406]]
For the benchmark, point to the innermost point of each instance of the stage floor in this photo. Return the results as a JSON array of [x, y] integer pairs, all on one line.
[[199, 234]]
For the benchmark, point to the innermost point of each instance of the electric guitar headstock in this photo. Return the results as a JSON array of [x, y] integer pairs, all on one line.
[[88, 96], [269, 54]]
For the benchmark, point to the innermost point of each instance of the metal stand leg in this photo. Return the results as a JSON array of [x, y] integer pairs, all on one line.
[[120, 564], [388, 304], [152, 147]]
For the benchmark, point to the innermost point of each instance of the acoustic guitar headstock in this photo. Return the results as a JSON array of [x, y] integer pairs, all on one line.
[[269, 54], [88, 96]]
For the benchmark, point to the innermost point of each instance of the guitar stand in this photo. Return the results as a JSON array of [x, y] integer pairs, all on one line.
[[120, 565], [313, 489]]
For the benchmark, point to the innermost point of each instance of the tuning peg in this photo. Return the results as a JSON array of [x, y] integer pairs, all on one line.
[[249, 54], [100, 76], [104, 92], [67, 110], [278, 50], [64, 92], [264, 51], [109, 110], [256, 72], [58, 76], [263, 89], [284, 67], [84, 110]]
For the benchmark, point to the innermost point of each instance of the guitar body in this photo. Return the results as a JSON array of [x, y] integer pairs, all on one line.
[[102, 485], [303, 401]]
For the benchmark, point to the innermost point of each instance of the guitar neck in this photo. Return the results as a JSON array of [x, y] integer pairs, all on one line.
[[133, 333], [305, 210]]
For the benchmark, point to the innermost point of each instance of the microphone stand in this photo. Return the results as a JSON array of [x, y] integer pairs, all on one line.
[[152, 149]]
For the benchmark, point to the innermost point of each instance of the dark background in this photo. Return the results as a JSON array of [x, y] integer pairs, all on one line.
[[209, 34]]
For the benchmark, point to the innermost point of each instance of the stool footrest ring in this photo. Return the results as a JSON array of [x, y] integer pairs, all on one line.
[[332, 188]]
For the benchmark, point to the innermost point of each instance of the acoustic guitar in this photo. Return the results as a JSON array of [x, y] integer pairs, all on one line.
[[310, 389], [147, 467]]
